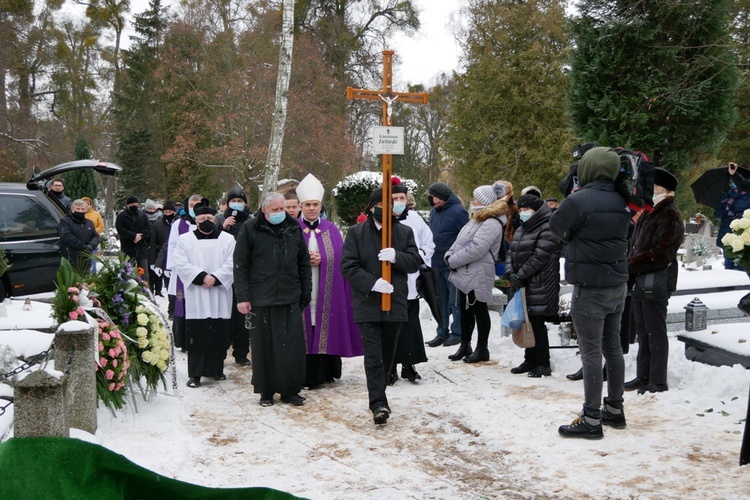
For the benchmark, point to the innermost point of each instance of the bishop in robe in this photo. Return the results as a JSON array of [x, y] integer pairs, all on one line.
[[329, 321], [203, 262]]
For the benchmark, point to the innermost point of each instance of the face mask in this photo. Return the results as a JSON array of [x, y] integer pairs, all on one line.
[[206, 227], [133, 209], [524, 216], [477, 208], [431, 201], [658, 198], [377, 213], [277, 217], [191, 213], [168, 218], [79, 216], [399, 207], [237, 206]]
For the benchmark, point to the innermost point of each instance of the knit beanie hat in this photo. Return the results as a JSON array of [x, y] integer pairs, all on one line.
[[440, 190], [530, 201], [487, 195], [169, 205], [131, 199], [375, 198], [149, 205], [598, 164], [236, 192]]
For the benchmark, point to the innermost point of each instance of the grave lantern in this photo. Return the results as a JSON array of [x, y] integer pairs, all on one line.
[[696, 314]]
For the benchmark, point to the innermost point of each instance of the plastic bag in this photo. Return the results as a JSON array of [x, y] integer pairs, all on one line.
[[513, 316]]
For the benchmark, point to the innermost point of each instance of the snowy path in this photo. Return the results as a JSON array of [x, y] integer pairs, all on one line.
[[464, 431]]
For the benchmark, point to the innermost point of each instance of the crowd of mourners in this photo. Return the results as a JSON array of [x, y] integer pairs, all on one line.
[[291, 296]]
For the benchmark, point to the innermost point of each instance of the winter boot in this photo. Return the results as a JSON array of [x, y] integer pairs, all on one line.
[[613, 415], [463, 351], [583, 427], [480, 354], [540, 371], [523, 368]]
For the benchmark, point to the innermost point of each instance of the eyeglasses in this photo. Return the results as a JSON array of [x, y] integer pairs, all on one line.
[[249, 321]]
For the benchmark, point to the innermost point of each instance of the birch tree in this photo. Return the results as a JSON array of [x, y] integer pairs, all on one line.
[[282, 96]]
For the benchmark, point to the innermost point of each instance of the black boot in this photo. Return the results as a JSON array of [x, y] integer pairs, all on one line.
[[613, 415], [636, 383], [583, 427], [575, 376], [463, 351], [481, 354]]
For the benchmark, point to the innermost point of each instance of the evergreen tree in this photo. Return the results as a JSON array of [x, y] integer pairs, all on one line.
[[654, 76], [508, 114], [737, 145], [80, 183]]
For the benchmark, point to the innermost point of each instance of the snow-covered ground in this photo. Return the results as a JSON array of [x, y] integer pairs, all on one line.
[[463, 431]]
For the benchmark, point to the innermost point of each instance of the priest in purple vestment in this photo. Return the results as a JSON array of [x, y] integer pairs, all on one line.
[[329, 322]]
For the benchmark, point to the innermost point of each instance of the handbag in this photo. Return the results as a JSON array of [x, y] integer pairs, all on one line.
[[524, 336], [651, 286]]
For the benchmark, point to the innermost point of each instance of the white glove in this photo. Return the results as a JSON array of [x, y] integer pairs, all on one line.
[[157, 270], [388, 254], [167, 273], [382, 286]]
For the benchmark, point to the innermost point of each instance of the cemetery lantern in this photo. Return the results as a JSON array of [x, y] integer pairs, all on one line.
[[696, 314]]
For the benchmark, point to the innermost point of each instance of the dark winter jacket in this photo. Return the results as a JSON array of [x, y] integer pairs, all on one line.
[[240, 219], [128, 225], [160, 229], [594, 222], [654, 244], [361, 268], [76, 237], [272, 264], [445, 223], [535, 257], [733, 203], [472, 256]]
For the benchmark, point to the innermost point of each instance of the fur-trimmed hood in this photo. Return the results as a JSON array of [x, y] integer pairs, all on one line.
[[497, 209]]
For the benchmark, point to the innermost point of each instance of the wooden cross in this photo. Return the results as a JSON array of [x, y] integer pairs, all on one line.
[[388, 97]]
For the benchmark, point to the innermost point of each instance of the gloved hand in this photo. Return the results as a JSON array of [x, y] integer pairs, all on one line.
[[382, 286], [515, 281], [152, 267], [388, 254], [167, 273], [304, 301], [157, 270]]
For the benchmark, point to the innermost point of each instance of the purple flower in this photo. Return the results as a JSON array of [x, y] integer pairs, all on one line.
[[128, 267], [126, 318], [117, 299]]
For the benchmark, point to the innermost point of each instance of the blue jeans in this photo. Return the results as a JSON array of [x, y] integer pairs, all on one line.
[[596, 315], [449, 306]]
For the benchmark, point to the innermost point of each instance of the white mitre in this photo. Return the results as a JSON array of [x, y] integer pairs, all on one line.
[[310, 189]]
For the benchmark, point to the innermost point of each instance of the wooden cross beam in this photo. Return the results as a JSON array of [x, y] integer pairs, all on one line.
[[388, 97]]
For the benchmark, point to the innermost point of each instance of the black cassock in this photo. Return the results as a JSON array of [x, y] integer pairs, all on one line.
[[207, 341], [278, 349]]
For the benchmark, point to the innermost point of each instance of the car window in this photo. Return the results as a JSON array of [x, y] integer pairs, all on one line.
[[22, 217]]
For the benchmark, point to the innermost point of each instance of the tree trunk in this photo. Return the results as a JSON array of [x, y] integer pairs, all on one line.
[[282, 96]]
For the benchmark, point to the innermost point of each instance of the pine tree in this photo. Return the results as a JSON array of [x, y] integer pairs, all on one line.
[[737, 145], [80, 183], [654, 76], [508, 114]]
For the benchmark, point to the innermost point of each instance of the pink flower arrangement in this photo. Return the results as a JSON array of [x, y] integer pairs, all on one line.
[[112, 366]]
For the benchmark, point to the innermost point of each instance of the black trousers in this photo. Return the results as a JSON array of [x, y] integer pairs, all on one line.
[[473, 312], [650, 319], [410, 346], [539, 354], [240, 334], [379, 342]]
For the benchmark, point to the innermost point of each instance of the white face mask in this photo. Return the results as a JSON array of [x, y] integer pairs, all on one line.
[[398, 207], [658, 198], [477, 208], [524, 216]]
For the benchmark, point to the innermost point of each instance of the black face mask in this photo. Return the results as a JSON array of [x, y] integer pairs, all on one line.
[[133, 210], [79, 216], [168, 218], [431, 201], [206, 227], [377, 214]]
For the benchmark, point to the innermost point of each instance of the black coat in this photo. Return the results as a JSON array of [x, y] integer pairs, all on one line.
[[654, 244], [241, 217], [594, 222], [76, 237], [160, 229], [361, 268], [272, 264], [535, 257], [128, 225]]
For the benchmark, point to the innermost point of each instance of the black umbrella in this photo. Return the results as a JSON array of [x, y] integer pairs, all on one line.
[[429, 289], [712, 183]]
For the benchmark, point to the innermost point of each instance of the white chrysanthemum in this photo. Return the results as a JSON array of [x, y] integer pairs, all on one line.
[[143, 342], [734, 224], [737, 245], [141, 332], [146, 356], [142, 319]]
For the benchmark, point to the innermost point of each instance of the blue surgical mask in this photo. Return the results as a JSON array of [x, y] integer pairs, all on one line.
[[398, 207], [237, 206], [191, 213], [276, 218], [524, 216]]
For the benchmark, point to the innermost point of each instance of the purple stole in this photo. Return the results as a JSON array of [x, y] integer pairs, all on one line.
[[179, 303], [335, 332]]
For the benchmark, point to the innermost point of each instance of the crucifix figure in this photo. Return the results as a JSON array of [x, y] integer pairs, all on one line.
[[388, 97]]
